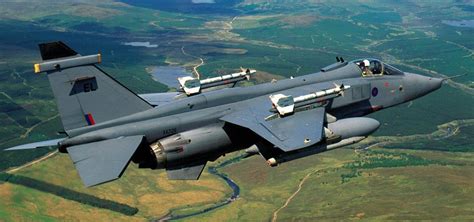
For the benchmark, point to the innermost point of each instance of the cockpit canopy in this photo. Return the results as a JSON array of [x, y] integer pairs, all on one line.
[[374, 67]]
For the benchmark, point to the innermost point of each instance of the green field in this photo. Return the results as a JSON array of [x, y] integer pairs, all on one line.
[[343, 185]]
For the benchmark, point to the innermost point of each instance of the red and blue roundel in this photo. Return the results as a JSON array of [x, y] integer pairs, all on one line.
[[375, 92]]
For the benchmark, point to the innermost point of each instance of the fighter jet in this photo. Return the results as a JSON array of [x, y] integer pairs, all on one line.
[[107, 126]]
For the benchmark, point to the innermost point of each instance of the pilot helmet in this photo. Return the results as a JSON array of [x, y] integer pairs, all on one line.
[[366, 62]]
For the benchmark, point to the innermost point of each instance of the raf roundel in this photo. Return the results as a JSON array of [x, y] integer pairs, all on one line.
[[375, 92]]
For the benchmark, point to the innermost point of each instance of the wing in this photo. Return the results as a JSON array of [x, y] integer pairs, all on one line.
[[157, 99], [103, 161], [300, 130]]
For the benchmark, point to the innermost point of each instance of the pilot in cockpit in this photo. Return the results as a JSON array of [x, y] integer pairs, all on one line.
[[366, 68]]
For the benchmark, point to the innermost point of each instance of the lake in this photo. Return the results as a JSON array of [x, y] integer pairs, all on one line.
[[168, 74], [459, 23]]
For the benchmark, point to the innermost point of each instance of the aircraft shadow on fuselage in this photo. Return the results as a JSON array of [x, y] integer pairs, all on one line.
[[68, 194]]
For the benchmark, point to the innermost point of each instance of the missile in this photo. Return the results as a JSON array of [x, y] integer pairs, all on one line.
[[192, 86], [337, 90], [245, 74], [285, 105]]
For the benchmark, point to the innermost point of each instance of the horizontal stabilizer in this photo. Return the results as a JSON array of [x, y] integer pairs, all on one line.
[[103, 161], [41, 144], [186, 172]]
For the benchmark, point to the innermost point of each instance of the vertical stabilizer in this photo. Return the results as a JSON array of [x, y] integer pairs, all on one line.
[[85, 94]]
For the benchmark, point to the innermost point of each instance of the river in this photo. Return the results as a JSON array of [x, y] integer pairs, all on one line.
[[214, 170]]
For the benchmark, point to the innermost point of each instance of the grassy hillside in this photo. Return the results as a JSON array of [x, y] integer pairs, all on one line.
[[343, 185], [52, 190]]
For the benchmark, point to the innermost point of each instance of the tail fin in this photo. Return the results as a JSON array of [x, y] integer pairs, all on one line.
[[55, 50], [85, 94]]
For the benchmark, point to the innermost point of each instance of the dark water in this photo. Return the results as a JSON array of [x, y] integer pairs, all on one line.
[[230, 182], [189, 6]]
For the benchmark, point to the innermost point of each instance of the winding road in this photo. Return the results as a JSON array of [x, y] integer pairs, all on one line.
[[13, 170], [195, 68], [300, 185]]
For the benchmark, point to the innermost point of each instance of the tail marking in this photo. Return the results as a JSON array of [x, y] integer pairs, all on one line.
[[90, 119]]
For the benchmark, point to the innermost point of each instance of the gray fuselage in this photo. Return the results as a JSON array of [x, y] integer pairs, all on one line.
[[368, 94]]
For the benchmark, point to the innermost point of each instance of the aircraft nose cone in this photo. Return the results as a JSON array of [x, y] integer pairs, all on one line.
[[434, 84], [418, 85]]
